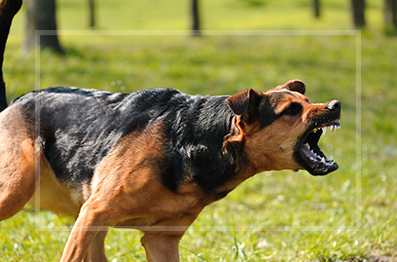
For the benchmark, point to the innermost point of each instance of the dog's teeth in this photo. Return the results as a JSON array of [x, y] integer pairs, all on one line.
[[323, 160], [307, 145], [324, 130], [331, 157]]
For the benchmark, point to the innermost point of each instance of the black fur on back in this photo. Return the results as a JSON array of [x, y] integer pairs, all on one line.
[[196, 129], [79, 127]]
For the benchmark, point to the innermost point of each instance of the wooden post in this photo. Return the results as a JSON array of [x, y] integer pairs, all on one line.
[[316, 8], [195, 18], [91, 7], [390, 12], [358, 12], [40, 15]]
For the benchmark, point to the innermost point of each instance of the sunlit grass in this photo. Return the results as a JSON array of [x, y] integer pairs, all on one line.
[[275, 216]]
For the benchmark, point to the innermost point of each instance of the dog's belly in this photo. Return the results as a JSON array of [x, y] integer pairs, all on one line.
[[51, 195]]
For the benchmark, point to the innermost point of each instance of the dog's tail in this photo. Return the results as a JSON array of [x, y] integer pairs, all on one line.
[[8, 9]]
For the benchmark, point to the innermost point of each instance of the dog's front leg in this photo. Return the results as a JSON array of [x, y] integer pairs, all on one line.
[[162, 246], [161, 241], [90, 221], [96, 251]]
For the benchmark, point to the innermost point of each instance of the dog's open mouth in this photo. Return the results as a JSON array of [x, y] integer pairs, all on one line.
[[314, 160]]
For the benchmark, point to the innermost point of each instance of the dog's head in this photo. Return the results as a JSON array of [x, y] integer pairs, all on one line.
[[280, 129]]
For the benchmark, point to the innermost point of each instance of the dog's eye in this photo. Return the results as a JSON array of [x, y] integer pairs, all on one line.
[[293, 109]]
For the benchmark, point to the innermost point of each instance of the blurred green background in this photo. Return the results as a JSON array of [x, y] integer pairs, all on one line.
[[349, 215]]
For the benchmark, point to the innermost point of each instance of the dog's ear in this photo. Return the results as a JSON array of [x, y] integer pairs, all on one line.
[[245, 104], [293, 85]]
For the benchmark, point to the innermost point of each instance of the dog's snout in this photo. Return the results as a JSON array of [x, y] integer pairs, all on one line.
[[334, 105]]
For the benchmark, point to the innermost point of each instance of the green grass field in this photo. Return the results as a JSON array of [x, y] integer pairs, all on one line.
[[349, 215]]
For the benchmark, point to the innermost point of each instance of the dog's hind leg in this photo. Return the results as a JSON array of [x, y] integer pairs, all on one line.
[[17, 164]]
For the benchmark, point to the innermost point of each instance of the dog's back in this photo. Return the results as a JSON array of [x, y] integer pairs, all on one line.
[[75, 129]]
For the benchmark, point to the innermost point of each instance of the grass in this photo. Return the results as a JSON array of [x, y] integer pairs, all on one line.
[[349, 215]]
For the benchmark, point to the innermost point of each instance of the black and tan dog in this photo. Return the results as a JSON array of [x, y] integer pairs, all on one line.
[[150, 160]]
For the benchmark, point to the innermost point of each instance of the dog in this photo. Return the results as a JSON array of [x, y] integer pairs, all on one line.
[[150, 160]]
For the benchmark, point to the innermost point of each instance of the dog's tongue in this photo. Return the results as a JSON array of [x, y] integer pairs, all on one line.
[[315, 161]]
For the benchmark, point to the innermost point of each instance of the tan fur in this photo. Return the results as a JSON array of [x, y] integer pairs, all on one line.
[[136, 199], [140, 195], [18, 165], [50, 194]]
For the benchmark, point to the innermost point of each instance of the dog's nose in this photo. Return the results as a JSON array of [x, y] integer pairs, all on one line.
[[334, 105]]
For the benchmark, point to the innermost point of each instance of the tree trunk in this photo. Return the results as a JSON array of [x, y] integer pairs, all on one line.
[[7, 11], [195, 18], [316, 8], [91, 6], [40, 15], [358, 10], [390, 11]]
